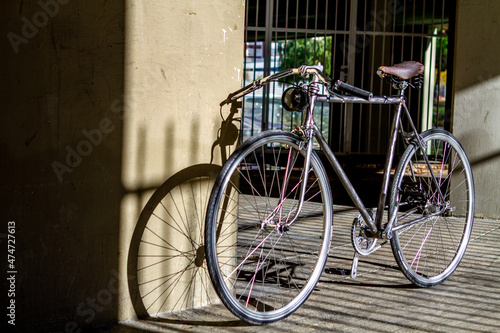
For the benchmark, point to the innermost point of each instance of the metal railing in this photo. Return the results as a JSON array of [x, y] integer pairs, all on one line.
[[357, 34]]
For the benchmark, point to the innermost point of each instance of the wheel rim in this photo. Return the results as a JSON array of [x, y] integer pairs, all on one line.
[[267, 271], [428, 252]]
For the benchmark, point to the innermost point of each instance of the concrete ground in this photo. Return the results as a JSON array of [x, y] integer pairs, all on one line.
[[379, 300]]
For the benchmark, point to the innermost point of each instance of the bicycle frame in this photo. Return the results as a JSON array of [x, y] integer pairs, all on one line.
[[312, 132], [375, 225]]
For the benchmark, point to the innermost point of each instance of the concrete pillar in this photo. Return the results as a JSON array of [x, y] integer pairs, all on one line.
[[182, 58], [101, 103], [476, 97]]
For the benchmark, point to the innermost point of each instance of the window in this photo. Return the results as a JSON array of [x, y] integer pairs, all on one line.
[[351, 39]]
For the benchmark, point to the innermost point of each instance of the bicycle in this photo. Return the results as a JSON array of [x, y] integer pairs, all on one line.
[[269, 219]]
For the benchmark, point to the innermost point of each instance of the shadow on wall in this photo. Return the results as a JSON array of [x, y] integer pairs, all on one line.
[[485, 159], [166, 263], [61, 146]]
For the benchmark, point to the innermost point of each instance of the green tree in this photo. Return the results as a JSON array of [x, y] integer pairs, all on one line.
[[307, 51]]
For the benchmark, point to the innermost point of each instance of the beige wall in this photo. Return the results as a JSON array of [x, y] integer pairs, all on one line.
[[182, 59], [101, 103], [476, 87]]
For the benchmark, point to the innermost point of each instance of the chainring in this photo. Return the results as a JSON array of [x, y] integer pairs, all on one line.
[[362, 242]]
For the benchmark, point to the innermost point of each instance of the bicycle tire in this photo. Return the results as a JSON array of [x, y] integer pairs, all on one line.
[[265, 277], [428, 252]]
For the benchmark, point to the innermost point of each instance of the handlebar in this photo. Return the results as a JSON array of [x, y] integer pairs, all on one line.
[[304, 72], [342, 86]]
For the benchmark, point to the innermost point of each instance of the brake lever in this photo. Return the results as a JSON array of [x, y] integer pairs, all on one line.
[[335, 94]]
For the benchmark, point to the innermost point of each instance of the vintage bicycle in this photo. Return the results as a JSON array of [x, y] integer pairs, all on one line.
[[268, 225]]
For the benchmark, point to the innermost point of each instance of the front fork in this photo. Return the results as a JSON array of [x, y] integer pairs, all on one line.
[[284, 222], [305, 175], [306, 133]]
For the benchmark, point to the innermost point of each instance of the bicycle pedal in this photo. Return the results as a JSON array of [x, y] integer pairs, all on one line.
[[354, 267]]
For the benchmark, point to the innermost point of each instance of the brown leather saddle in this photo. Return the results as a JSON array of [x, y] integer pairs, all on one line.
[[405, 70]]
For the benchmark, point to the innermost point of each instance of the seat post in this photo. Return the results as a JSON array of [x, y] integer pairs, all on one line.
[[391, 148], [401, 87]]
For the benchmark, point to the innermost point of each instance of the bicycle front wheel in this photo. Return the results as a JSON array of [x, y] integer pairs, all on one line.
[[432, 228], [262, 268]]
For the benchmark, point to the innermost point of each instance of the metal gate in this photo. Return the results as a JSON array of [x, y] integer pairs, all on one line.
[[351, 39]]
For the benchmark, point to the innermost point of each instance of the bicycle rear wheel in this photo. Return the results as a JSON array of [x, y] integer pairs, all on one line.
[[261, 269], [431, 231]]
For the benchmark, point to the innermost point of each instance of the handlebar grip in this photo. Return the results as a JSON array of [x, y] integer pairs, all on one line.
[[345, 87]]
